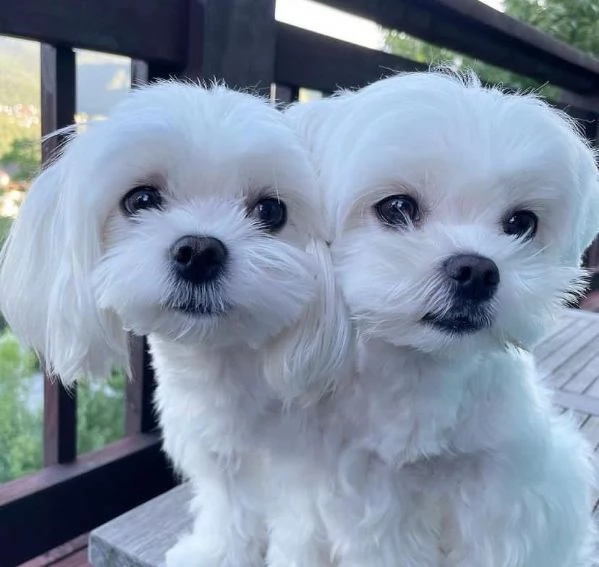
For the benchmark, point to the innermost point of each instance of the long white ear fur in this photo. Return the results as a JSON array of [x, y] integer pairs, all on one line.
[[45, 287], [311, 357], [588, 219]]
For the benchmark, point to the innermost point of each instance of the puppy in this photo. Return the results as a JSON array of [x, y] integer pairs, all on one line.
[[461, 214], [192, 216]]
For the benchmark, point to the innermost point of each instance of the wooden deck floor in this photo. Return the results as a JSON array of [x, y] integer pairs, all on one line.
[[568, 360]]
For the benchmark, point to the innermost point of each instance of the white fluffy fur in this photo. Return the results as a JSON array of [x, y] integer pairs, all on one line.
[[456, 457], [235, 392]]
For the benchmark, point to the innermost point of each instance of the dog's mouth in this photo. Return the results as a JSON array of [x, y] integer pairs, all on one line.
[[460, 321], [198, 309]]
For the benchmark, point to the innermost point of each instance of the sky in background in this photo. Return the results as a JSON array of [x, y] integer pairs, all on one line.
[[328, 21]]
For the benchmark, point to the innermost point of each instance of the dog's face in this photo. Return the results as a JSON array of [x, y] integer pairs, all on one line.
[[190, 214], [461, 213], [209, 204]]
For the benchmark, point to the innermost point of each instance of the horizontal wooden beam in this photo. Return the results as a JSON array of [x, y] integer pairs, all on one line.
[[48, 508], [153, 30], [322, 63], [473, 28]]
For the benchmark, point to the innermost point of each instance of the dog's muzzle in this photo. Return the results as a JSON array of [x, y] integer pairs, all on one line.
[[473, 282]]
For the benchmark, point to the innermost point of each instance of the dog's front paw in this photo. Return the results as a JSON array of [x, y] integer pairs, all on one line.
[[194, 551]]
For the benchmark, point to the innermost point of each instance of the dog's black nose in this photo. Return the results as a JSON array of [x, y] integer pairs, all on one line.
[[199, 259], [476, 277]]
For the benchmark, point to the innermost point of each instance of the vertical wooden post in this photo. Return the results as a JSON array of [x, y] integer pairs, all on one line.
[[234, 41], [285, 94], [58, 111], [139, 409]]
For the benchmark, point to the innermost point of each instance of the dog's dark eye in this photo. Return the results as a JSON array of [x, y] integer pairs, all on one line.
[[398, 210], [521, 224], [141, 198], [270, 212]]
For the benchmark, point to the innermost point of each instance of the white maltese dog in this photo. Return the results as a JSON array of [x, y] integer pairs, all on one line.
[[461, 214], [192, 216]]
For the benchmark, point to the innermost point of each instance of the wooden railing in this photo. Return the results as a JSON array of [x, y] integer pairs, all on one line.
[[239, 41]]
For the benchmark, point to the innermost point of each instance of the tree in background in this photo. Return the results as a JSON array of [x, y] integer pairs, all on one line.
[[20, 93], [20, 419], [574, 21], [25, 155], [100, 405], [100, 410]]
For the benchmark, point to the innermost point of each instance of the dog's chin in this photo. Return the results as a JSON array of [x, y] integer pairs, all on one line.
[[199, 310], [460, 319], [214, 325]]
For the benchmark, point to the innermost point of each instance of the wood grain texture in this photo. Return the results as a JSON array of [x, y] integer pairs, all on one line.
[[153, 30], [57, 556], [472, 28], [141, 537], [60, 502], [310, 60], [140, 416], [231, 40]]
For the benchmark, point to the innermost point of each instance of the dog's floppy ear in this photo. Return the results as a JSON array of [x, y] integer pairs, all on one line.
[[45, 290], [591, 208], [309, 358], [587, 221]]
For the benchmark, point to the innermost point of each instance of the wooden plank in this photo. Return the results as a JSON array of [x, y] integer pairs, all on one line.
[[577, 402], [593, 389], [139, 410], [154, 30], [551, 344], [587, 374], [58, 111], [318, 62], [284, 94], [563, 366], [579, 418], [141, 537], [472, 28], [591, 430], [58, 554], [77, 559], [58, 103], [323, 63], [570, 349], [563, 321], [237, 43], [584, 108], [60, 423], [60, 502]]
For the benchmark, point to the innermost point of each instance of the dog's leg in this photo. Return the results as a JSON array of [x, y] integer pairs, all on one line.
[[296, 537], [228, 530], [534, 513]]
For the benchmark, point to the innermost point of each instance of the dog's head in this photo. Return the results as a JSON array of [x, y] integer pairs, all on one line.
[[462, 212], [190, 214]]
